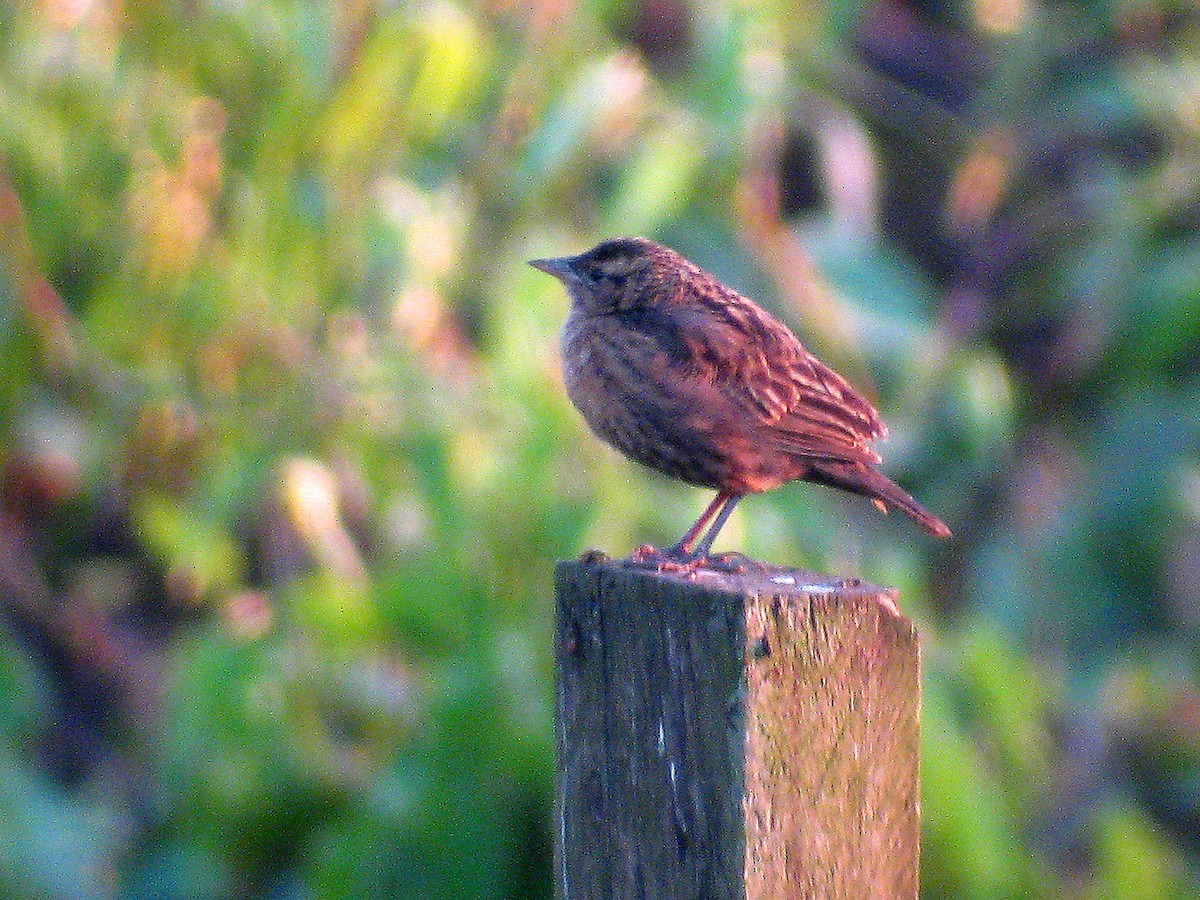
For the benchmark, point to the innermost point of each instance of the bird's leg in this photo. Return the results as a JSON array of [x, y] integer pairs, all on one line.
[[682, 549], [705, 545], [686, 555]]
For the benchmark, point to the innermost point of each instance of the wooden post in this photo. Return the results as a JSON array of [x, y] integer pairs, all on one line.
[[729, 736]]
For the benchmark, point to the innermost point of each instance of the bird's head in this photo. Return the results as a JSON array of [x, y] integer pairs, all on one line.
[[616, 275]]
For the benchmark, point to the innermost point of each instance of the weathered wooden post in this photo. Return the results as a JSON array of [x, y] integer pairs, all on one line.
[[734, 735]]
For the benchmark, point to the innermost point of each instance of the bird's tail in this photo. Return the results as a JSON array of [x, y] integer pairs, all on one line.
[[861, 479]]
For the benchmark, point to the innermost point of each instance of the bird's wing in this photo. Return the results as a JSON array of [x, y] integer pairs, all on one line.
[[798, 403]]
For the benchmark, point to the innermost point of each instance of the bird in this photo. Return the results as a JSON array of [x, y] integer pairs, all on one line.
[[688, 377]]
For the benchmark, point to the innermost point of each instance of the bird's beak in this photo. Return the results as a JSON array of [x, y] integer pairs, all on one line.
[[560, 267]]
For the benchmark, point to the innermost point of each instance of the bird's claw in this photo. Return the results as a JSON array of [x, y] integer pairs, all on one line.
[[668, 560], [731, 562]]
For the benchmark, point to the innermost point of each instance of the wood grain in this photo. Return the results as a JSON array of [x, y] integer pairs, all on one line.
[[733, 735]]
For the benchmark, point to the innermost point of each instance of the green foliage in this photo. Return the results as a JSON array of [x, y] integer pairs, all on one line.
[[285, 460]]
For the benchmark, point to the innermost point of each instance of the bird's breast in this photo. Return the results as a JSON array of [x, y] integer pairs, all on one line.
[[577, 355]]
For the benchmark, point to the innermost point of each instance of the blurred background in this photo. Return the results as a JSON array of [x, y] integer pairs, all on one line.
[[285, 459]]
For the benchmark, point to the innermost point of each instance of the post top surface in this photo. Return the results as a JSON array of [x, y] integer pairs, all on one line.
[[736, 574]]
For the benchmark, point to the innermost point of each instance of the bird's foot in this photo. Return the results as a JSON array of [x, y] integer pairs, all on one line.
[[647, 555], [731, 562], [679, 562], [668, 560]]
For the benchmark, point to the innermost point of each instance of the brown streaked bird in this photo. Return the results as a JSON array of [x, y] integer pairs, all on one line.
[[688, 377]]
